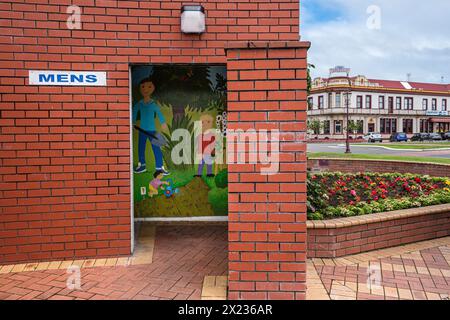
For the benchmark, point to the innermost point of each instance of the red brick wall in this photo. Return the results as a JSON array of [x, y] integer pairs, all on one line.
[[351, 166], [65, 160], [336, 242], [267, 213]]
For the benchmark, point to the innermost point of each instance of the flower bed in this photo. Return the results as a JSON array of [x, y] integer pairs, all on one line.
[[336, 194]]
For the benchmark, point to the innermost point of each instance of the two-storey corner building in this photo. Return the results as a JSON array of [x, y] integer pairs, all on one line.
[[383, 106]]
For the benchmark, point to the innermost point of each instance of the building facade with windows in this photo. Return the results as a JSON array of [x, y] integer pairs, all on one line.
[[383, 106]]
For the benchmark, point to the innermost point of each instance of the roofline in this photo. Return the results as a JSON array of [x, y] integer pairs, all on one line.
[[378, 89]]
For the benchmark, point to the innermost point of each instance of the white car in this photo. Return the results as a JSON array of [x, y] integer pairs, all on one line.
[[373, 137]]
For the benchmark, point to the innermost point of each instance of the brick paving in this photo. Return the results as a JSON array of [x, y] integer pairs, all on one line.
[[419, 271], [182, 257]]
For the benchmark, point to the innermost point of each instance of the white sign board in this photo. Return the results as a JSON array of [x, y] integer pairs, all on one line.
[[437, 113], [66, 78]]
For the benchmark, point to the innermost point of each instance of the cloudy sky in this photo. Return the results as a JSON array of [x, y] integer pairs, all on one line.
[[411, 36]]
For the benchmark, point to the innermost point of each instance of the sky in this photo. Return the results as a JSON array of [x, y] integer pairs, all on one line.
[[381, 39]]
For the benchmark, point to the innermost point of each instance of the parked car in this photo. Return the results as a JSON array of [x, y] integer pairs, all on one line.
[[417, 137], [435, 136], [398, 137], [373, 137], [420, 137], [447, 135]]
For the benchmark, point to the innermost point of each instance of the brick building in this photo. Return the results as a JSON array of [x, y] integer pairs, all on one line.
[[65, 160]]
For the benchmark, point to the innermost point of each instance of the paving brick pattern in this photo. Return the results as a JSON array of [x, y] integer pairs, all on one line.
[[183, 256], [420, 272]]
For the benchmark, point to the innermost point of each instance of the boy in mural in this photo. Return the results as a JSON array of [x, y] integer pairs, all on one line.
[[156, 183], [149, 110], [206, 142]]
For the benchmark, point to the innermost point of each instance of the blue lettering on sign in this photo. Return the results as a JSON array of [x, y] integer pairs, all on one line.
[[67, 78], [91, 78], [62, 78], [46, 78], [76, 78]]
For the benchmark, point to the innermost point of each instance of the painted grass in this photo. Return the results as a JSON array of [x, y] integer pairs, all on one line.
[[334, 155]]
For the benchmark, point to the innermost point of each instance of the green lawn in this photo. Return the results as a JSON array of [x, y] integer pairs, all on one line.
[[376, 157], [406, 146]]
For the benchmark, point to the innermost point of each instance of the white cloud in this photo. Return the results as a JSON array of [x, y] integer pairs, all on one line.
[[414, 38]]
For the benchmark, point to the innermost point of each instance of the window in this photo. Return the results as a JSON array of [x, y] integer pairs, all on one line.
[[326, 127], [434, 104], [408, 125], [409, 103], [398, 103], [347, 98], [338, 100], [310, 103], [422, 125], [330, 100], [320, 102], [388, 125], [426, 126], [359, 102], [444, 104], [425, 104], [381, 102], [368, 102], [338, 126]]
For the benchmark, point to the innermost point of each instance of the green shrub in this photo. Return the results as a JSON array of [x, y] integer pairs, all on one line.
[[221, 179]]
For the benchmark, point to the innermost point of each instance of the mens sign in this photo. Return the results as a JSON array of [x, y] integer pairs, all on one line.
[[67, 78]]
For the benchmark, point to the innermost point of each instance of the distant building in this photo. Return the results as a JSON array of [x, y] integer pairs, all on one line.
[[382, 106]]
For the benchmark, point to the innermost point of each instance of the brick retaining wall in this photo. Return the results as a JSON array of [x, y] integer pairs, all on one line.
[[383, 166], [344, 236]]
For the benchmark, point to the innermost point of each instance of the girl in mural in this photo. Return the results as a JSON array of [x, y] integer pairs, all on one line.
[[149, 110], [206, 142], [156, 183]]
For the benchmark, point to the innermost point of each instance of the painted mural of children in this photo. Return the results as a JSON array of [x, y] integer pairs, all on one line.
[[206, 143], [156, 183], [149, 110]]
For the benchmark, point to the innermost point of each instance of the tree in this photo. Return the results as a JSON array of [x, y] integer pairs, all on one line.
[[315, 126], [308, 77], [354, 126]]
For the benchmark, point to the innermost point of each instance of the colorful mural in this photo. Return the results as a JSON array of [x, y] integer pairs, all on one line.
[[179, 139]]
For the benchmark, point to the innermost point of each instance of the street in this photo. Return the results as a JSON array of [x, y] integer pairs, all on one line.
[[377, 149]]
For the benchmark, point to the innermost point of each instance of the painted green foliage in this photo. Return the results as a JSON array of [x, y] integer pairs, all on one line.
[[183, 95]]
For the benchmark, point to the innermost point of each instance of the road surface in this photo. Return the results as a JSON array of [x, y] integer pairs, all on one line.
[[376, 149]]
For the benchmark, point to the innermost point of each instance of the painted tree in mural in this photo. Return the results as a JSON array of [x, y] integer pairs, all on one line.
[[180, 86]]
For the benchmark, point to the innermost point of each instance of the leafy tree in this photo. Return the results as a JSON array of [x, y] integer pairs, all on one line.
[[354, 126], [315, 126], [308, 77]]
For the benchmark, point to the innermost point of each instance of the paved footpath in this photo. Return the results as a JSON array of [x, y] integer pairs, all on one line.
[[419, 271], [183, 256]]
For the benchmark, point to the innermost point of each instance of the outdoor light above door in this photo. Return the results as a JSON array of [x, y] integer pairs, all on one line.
[[193, 19]]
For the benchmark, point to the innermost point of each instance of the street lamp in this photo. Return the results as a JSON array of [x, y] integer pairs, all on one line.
[[347, 103]]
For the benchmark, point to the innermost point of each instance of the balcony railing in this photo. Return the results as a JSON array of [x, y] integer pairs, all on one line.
[[363, 111]]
